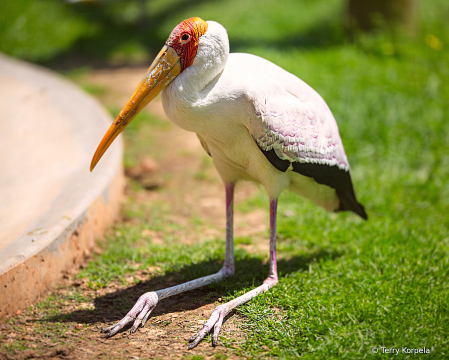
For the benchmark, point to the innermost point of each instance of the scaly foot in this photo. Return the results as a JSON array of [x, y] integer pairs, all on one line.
[[147, 302], [215, 321], [139, 313]]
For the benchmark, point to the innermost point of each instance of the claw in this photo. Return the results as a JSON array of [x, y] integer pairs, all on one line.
[[113, 331], [195, 340], [135, 326], [118, 326]]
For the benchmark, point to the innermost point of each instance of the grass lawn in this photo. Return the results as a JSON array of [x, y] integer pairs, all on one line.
[[346, 286]]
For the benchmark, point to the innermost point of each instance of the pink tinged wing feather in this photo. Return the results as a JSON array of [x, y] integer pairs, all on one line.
[[297, 124]]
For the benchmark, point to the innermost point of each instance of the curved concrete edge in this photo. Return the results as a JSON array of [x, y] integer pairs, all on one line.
[[27, 282], [49, 130]]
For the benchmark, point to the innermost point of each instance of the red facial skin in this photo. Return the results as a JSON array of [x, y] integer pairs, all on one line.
[[184, 39]]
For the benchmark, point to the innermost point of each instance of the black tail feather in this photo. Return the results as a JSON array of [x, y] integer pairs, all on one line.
[[349, 202], [333, 176]]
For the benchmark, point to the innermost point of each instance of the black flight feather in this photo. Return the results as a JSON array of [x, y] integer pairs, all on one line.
[[332, 176]]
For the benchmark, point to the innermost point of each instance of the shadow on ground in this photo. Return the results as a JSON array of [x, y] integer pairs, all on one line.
[[250, 272]]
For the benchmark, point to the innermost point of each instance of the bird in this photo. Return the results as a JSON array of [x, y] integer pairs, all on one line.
[[258, 122]]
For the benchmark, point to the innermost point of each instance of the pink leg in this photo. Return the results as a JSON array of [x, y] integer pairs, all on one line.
[[148, 301], [229, 265], [216, 319]]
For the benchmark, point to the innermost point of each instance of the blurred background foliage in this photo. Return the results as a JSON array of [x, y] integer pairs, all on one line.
[[123, 31]]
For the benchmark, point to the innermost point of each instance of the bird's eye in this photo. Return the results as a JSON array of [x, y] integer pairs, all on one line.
[[185, 37]]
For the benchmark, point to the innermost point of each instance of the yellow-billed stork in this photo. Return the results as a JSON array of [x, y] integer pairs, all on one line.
[[258, 122]]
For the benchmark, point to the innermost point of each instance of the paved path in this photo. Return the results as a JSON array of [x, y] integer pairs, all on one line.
[[51, 207]]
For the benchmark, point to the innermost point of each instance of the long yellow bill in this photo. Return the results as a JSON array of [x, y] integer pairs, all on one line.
[[162, 71]]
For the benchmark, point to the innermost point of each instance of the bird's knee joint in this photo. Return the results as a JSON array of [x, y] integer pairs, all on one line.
[[227, 270], [271, 281]]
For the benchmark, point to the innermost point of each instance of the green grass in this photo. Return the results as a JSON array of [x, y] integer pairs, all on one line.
[[386, 283], [40, 30], [346, 285]]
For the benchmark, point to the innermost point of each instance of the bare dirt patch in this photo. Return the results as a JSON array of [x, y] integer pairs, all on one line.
[[165, 336]]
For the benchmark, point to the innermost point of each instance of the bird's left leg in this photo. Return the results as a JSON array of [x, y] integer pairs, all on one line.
[[216, 319], [148, 301]]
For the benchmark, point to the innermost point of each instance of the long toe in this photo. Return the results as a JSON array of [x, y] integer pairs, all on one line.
[[117, 327], [217, 328]]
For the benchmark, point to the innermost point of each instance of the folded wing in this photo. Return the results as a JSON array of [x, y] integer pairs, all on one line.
[[296, 131]]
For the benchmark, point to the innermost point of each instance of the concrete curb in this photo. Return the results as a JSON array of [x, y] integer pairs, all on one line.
[[51, 207]]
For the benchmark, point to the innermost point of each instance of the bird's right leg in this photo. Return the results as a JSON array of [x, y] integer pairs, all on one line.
[[147, 302], [216, 319]]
